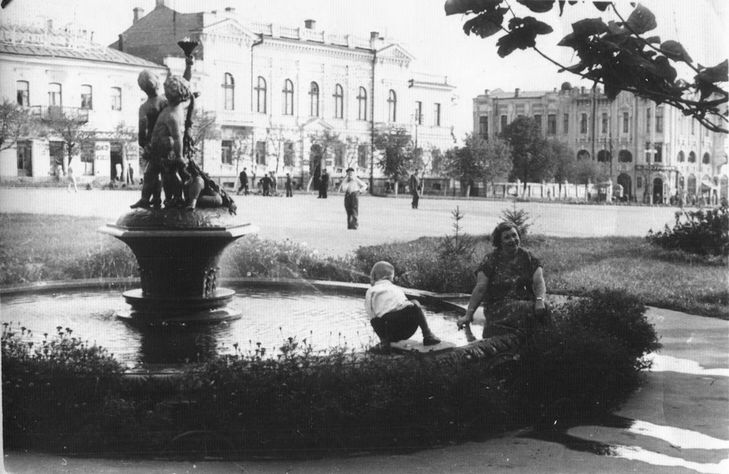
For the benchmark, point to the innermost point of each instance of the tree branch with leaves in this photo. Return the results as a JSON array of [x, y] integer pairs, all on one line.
[[15, 122], [616, 54]]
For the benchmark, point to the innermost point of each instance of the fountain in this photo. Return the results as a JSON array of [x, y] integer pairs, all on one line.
[[178, 249]]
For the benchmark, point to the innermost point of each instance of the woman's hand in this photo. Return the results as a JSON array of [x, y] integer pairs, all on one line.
[[540, 310], [465, 319]]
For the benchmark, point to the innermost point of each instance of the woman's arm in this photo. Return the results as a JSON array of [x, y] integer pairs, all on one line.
[[540, 289], [479, 291]]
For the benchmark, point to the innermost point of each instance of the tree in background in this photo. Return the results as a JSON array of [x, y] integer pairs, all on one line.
[[71, 128], [326, 141], [478, 160], [525, 139], [204, 127], [617, 54], [561, 160], [588, 170], [15, 122], [398, 153]]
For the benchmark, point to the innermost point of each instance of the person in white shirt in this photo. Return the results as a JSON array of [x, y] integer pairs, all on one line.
[[392, 316], [351, 187]]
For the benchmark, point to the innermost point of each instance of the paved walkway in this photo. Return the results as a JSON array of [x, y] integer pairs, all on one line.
[[680, 416]]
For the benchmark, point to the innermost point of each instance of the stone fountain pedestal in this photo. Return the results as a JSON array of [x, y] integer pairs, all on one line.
[[178, 252]]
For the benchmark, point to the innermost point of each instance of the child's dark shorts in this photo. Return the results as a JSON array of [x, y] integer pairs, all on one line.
[[398, 325]]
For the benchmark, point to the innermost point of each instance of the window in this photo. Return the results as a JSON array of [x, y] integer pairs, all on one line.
[[55, 96], [604, 123], [692, 157], [624, 156], [362, 156], [23, 93], [604, 156], [261, 95], [313, 99], [288, 96], [639, 181], [418, 112], [538, 120], [226, 152], [659, 152], [583, 123], [648, 120], [228, 92], [693, 127], [116, 98], [551, 124], [504, 123], [338, 102], [659, 120], [566, 123], [436, 114], [260, 152], [87, 97], [583, 155], [362, 104], [391, 106], [289, 154], [681, 157], [339, 155], [483, 126], [626, 122], [706, 159]]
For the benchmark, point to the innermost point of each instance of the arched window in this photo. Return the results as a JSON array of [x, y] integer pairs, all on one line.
[[313, 99], [691, 186], [624, 156], [692, 157], [87, 98], [261, 95], [681, 157], [706, 159], [583, 155], [392, 106], [23, 93], [228, 92], [338, 102], [288, 97], [55, 95], [604, 156], [583, 123], [362, 104]]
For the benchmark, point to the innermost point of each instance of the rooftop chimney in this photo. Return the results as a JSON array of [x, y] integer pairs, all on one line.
[[310, 24], [160, 3], [49, 25], [230, 10], [121, 42], [138, 13], [516, 92], [485, 92]]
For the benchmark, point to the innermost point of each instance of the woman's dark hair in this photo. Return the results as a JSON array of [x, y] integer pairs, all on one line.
[[496, 234]]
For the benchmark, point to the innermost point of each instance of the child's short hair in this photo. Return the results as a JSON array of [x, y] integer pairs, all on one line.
[[382, 270]]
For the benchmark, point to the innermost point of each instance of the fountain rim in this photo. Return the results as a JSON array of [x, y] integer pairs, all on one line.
[[235, 231]]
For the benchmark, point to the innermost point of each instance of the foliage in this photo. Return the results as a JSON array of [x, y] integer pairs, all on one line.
[[437, 161], [616, 54], [396, 146], [15, 122], [519, 218], [328, 142], [702, 232], [525, 139], [478, 160], [587, 170], [71, 128]]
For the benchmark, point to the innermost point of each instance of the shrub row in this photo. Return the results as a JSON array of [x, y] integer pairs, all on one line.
[[66, 396], [701, 232]]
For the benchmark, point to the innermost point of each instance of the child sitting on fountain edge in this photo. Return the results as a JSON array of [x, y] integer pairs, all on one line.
[[392, 316]]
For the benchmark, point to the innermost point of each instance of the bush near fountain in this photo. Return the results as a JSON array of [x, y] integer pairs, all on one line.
[[65, 396]]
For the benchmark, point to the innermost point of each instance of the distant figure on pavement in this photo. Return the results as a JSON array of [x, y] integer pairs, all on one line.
[[351, 187], [243, 186], [414, 185], [289, 186], [323, 184]]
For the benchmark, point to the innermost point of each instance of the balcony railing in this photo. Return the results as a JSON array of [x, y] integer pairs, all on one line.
[[54, 112]]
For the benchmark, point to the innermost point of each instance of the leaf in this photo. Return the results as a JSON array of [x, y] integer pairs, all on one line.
[[538, 6], [571, 41], [641, 20], [675, 50], [713, 74], [653, 39], [664, 68], [485, 24], [574, 69], [589, 27], [464, 6], [602, 6]]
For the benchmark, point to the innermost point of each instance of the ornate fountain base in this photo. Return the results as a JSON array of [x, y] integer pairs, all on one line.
[[178, 253]]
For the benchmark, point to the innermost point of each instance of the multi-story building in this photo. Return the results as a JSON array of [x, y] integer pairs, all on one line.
[[644, 147], [55, 72], [274, 88]]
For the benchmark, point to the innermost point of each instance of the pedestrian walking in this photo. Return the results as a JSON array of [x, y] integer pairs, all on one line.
[[414, 185], [351, 187], [243, 186], [289, 186], [130, 174], [71, 178], [265, 185], [323, 184]]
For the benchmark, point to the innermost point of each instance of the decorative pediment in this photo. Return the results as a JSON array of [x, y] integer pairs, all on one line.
[[316, 124], [230, 28], [395, 52]]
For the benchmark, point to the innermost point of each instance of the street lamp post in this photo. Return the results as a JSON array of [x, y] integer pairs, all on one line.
[[649, 152]]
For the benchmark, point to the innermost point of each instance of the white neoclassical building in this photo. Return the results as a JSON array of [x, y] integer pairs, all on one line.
[[273, 88], [54, 70]]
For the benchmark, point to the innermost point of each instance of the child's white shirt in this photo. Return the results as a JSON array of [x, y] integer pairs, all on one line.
[[383, 297]]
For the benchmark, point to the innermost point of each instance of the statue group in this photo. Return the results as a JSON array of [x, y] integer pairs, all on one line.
[[168, 148]]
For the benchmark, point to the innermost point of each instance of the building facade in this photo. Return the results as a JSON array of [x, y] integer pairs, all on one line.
[[653, 151], [57, 72], [274, 89]]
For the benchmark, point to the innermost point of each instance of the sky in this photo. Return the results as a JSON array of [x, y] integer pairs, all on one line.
[[437, 41]]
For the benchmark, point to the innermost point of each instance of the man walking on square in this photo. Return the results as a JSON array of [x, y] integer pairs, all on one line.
[[351, 187], [289, 186], [323, 184], [243, 182], [414, 185]]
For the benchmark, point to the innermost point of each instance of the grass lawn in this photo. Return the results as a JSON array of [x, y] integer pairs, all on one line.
[[34, 248]]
